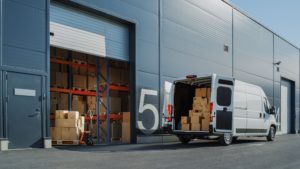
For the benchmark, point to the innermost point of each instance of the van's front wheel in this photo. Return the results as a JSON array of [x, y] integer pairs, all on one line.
[[271, 135], [226, 139]]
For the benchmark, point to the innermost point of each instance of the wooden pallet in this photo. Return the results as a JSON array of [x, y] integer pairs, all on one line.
[[79, 61], [64, 142], [79, 89]]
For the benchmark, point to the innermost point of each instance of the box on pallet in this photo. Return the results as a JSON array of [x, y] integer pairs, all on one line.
[[56, 133], [70, 133], [61, 79], [115, 104], [79, 106], [195, 126], [92, 83], [200, 92]]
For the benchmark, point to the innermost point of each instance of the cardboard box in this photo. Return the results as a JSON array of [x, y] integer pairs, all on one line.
[[92, 83], [91, 60], [60, 114], [200, 92], [79, 81], [200, 100], [115, 104], [73, 115], [205, 121], [70, 133], [126, 117], [53, 107], [184, 119], [67, 123], [125, 132], [61, 79], [61, 53], [195, 119], [195, 127], [185, 127], [115, 75], [56, 133], [91, 100], [116, 131], [78, 98], [79, 106], [63, 106]]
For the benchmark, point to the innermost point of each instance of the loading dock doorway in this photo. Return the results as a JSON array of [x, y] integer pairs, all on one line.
[[24, 110], [287, 111]]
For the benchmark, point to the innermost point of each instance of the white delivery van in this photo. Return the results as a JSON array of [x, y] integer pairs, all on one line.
[[230, 108]]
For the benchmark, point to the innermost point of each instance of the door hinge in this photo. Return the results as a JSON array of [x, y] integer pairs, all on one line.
[[6, 98]]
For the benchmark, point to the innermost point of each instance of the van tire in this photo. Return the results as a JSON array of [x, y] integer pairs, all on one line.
[[272, 133], [226, 139], [184, 139]]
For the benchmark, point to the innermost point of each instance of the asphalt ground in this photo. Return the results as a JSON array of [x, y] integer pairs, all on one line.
[[246, 153]]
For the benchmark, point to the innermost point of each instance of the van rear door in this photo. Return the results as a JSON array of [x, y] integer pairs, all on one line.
[[223, 104]]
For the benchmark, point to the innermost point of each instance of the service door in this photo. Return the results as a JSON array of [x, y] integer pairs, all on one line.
[[224, 104], [286, 108], [23, 107]]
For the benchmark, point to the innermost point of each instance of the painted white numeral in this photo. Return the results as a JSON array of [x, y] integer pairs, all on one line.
[[143, 107]]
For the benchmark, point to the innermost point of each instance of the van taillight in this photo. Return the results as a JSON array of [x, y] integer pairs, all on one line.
[[170, 107], [211, 107]]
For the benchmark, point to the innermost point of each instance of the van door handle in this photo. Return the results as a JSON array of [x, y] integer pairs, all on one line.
[[260, 115], [225, 109]]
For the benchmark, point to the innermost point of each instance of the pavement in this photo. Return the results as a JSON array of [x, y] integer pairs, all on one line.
[[246, 153]]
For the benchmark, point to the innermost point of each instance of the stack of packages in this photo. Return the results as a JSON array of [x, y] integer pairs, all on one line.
[[126, 127], [198, 119], [68, 126], [78, 104]]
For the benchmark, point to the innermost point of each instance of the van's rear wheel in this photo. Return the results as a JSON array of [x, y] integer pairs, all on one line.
[[272, 133], [226, 139], [184, 139]]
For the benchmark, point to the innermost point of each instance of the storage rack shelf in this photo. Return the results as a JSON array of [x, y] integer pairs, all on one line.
[[101, 91]]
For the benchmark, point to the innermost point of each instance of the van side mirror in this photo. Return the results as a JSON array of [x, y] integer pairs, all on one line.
[[272, 110]]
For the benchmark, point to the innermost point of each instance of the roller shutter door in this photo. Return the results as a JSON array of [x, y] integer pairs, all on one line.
[[80, 31]]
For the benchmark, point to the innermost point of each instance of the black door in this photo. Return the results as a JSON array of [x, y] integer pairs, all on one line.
[[23, 108]]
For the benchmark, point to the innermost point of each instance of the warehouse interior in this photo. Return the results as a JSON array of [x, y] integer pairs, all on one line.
[[78, 80]]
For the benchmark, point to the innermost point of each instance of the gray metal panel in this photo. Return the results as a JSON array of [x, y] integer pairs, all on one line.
[[24, 58], [115, 34], [196, 45], [253, 47], [24, 27], [289, 57], [40, 4]]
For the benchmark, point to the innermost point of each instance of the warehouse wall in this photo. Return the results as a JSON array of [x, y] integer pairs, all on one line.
[[23, 42]]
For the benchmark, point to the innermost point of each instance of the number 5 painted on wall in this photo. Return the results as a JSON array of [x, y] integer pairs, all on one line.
[[143, 107]]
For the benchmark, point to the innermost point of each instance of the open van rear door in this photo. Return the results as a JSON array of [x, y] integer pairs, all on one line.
[[167, 112], [223, 89]]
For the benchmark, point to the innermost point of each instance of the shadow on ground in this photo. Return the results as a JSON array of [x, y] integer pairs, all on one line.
[[157, 146]]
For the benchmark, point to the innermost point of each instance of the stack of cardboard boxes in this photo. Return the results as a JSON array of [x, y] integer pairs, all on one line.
[[199, 116], [68, 126], [126, 127], [79, 104]]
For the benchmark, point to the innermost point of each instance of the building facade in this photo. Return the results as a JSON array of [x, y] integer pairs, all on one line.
[[162, 40]]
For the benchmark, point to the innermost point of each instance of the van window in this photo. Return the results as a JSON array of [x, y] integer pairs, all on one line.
[[267, 109], [223, 96], [254, 103]]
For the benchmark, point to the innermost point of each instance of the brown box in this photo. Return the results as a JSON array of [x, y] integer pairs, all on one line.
[[205, 121], [126, 117], [61, 114], [79, 106], [91, 100], [67, 122], [56, 133], [61, 79], [53, 107], [184, 119], [185, 127], [125, 132], [194, 113], [195, 127], [200, 100], [115, 75], [73, 115], [79, 81], [195, 119], [92, 83], [62, 106], [70, 133], [200, 92]]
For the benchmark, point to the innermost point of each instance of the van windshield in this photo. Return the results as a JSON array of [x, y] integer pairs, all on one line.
[[224, 96]]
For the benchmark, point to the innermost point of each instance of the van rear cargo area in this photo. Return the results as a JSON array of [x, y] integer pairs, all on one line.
[[191, 105]]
